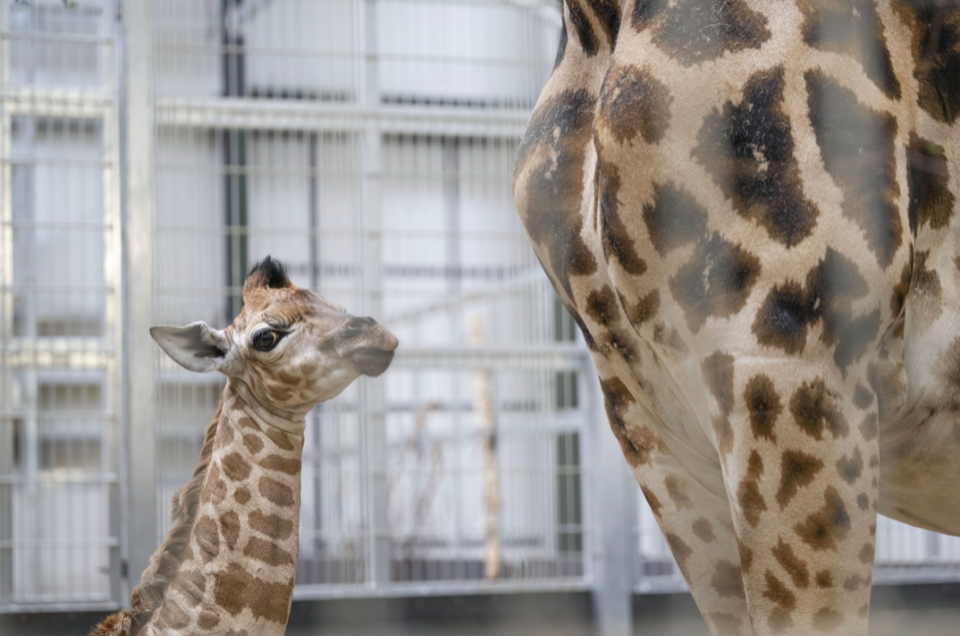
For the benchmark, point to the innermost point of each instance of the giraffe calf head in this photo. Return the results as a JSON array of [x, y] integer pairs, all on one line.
[[291, 347]]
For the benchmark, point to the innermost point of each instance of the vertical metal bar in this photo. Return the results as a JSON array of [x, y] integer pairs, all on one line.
[[611, 490], [233, 63], [113, 312], [7, 438], [371, 391], [138, 202]]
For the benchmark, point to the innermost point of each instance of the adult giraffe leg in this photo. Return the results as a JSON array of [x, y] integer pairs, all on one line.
[[801, 469], [695, 519]]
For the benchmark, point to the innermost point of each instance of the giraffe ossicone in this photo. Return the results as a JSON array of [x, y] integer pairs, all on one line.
[[749, 207], [227, 567]]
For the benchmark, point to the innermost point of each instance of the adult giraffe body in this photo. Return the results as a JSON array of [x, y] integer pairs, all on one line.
[[749, 208], [228, 565]]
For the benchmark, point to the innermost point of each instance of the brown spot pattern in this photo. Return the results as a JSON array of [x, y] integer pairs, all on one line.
[[715, 282], [827, 620], [290, 466], [267, 552], [727, 580], [673, 219], [814, 409], [207, 537], [704, 530], [253, 443], [824, 528], [824, 579], [616, 239], [242, 495], [763, 405], [274, 526], [862, 397], [237, 590], [676, 490], [236, 467], [752, 504], [931, 202], [693, 32], [636, 441], [850, 467], [632, 101], [797, 470], [797, 569], [274, 491], [230, 527], [207, 619]]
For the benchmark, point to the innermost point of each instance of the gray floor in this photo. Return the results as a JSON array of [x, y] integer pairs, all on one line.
[[932, 610]]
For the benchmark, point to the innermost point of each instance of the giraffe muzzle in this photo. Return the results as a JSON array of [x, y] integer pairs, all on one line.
[[367, 345]]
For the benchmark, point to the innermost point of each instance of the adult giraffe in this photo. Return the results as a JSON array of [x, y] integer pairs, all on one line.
[[749, 208], [228, 564]]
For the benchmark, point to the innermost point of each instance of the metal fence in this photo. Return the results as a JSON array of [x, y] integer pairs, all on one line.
[[151, 151]]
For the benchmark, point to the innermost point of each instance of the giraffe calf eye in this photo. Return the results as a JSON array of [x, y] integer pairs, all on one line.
[[265, 339]]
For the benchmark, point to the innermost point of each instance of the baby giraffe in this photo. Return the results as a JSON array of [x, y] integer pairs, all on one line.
[[228, 564]]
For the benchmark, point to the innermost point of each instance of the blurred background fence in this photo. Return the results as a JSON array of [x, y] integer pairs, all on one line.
[[150, 152]]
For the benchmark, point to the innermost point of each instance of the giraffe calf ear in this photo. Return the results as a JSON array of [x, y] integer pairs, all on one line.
[[197, 347]]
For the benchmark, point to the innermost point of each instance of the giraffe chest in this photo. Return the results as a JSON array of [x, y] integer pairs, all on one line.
[[241, 555]]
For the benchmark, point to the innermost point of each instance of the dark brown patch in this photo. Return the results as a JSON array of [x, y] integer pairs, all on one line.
[[814, 409], [281, 439], [677, 491], [748, 150], [208, 619], [274, 526], [681, 552], [614, 234], [230, 526], [242, 495], [869, 427], [559, 135], [632, 101], [797, 470], [863, 502], [763, 404], [253, 443], [717, 370], [645, 309], [727, 581], [693, 32], [237, 590], [669, 338], [267, 552], [704, 530], [793, 566], [673, 219], [901, 289], [824, 579], [207, 537], [936, 55], [236, 467], [290, 466], [866, 553], [246, 422], [855, 31], [925, 292], [602, 306], [637, 441], [831, 287], [856, 145], [652, 501], [862, 397], [931, 202], [715, 282], [827, 620], [746, 556], [274, 491], [751, 502], [825, 527], [777, 592], [850, 467]]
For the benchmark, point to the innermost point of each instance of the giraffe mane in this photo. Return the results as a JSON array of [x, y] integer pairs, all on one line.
[[149, 595]]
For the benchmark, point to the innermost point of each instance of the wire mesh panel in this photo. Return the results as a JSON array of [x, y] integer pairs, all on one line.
[[60, 330]]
